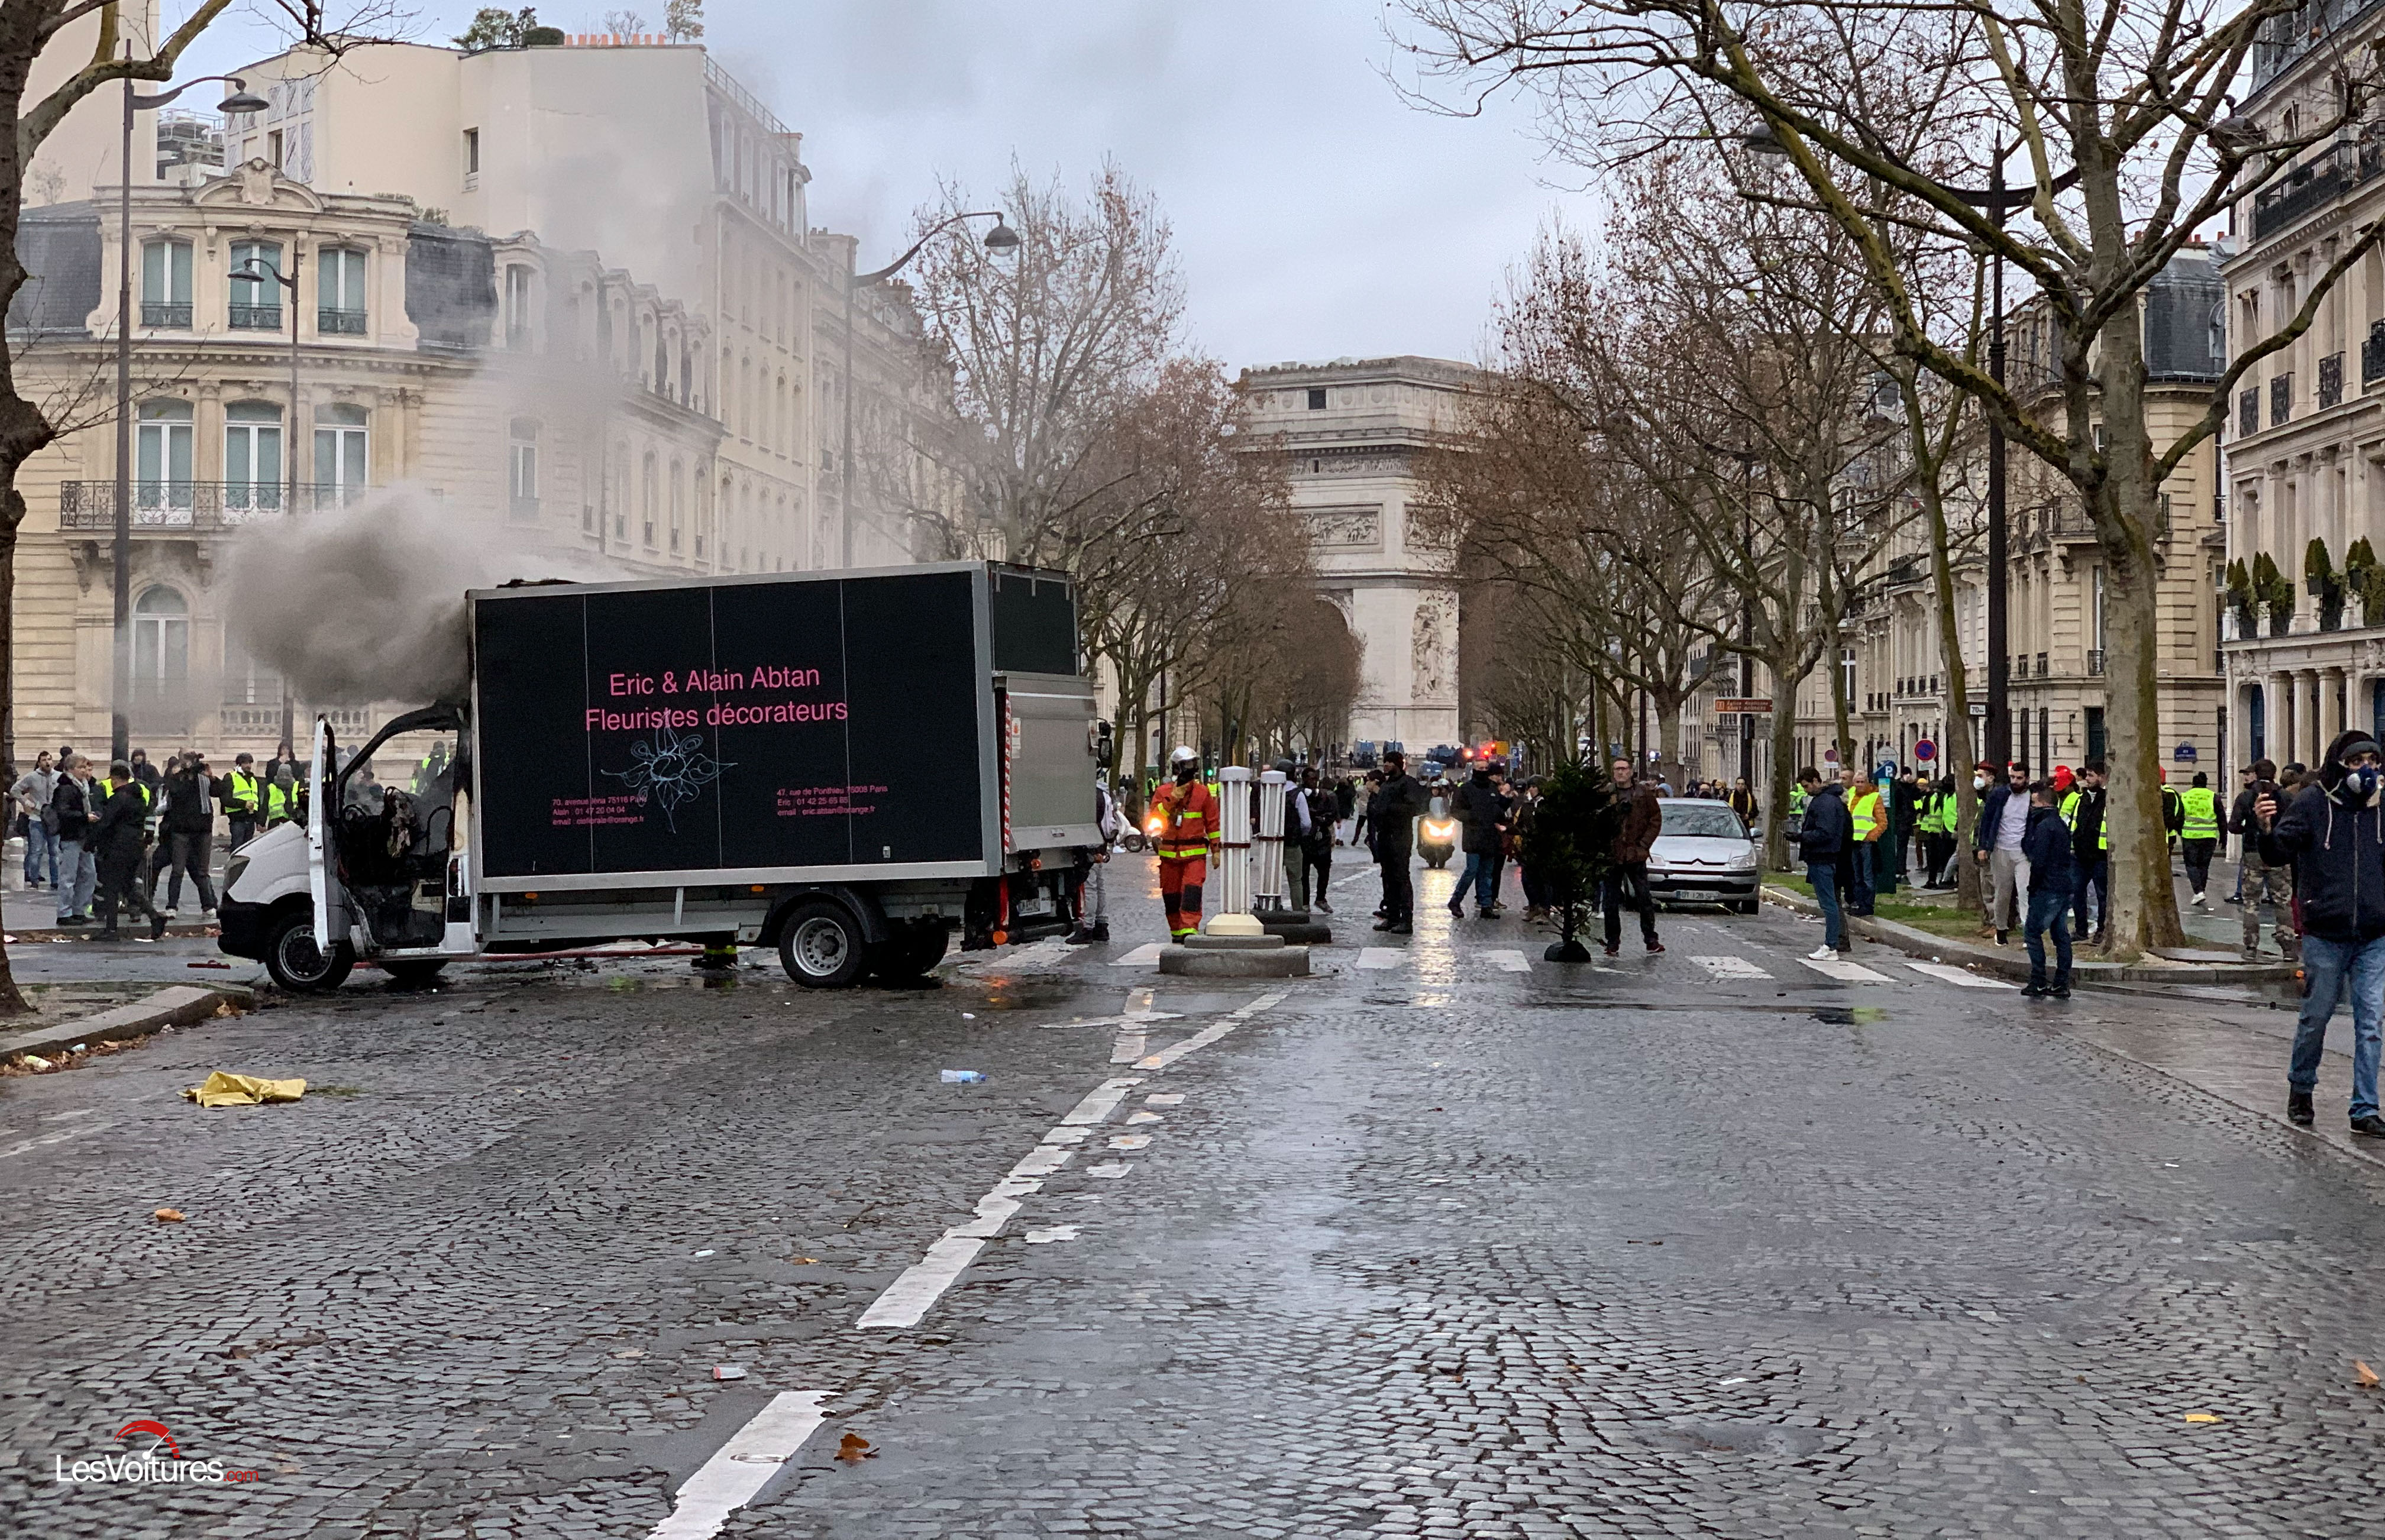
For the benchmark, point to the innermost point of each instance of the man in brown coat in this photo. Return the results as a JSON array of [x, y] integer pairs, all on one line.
[[1642, 821]]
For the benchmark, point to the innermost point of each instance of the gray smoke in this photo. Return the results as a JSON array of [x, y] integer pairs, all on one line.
[[367, 606]]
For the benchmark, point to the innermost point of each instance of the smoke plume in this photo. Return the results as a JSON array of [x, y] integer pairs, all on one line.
[[366, 605]]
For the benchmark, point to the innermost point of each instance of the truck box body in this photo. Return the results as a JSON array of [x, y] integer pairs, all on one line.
[[835, 727], [706, 757]]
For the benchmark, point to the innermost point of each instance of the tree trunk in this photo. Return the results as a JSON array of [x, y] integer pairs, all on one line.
[[2143, 899], [1957, 757], [1670, 764]]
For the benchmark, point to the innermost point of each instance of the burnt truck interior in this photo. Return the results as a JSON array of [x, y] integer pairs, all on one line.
[[392, 826]]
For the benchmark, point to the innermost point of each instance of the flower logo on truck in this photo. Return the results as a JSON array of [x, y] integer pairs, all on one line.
[[671, 770]]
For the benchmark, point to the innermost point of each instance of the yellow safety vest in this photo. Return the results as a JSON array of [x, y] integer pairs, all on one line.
[[1866, 814], [241, 803], [2069, 810], [108, 789], [2202, 813], [280, 804]]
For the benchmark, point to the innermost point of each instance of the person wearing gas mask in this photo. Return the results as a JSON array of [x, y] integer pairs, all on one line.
[[2333, 833]]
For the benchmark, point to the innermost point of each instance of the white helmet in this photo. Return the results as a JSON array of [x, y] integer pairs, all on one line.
[[1182, 757]]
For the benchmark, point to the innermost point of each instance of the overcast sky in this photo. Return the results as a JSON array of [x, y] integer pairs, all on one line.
[[1316, 214]]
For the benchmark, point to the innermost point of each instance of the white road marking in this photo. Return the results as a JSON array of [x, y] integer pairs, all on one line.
[[1380, 957], [1164, 1098], [1730, 967], [1144, 956], [907, 1298], [74, 1132], [1508, 962], [1132, 1041], [1853, 973], [1209, 1034], [1133, 1118], [743, 1466], [1049, 1233], [1110, 1170], [1954, 974]]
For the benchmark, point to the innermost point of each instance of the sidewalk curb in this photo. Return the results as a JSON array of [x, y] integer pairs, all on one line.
[[176, 1005], [2015, 964], [90, 932]]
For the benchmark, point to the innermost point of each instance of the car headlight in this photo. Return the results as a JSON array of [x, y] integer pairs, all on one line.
[[1743, 863], [233, 871]]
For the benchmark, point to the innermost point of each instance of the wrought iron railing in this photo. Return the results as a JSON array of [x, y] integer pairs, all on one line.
[[2281, 398], [157, 313], [2095, 661], [340, 323], [2314, 184], [257, 318], [2330, 380], [2372, 354], [178, 506], [2247, 407]]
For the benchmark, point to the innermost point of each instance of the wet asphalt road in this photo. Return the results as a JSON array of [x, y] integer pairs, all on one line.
[[1454, 1242]]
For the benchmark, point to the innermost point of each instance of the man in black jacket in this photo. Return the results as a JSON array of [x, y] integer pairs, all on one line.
[[1483, 810], [2334, 832], [1825, 839], [77, 801], [2090, 850], [2050, 849], [188, 829], [117, 836], [1391, 813]]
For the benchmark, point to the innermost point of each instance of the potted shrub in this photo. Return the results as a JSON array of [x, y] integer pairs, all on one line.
[[2239, 599], [2365, 580], [2276, 593], [1570, 844], [2325, 588]]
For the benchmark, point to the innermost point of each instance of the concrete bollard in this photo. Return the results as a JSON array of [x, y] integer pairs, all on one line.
[[1266, 845], [1233, 916]]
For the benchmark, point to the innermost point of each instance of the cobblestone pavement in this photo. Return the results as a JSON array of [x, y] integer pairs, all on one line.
[[1445, 1241]]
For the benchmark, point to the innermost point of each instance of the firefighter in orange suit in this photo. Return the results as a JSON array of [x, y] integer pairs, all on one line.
[[1188, 826]]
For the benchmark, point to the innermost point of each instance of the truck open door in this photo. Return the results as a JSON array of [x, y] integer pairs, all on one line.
[[330, 918]]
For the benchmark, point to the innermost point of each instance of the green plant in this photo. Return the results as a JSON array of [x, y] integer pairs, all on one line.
[[2365, 579], [494, 26], [2319, 574], [2239, 598], [1569, 844], [2275, 591]]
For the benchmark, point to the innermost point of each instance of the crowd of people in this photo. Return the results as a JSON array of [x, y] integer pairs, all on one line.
[[101, 843]]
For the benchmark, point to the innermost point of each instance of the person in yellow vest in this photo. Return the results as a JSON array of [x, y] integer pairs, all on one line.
[[282, 800], [2091, 853], [1937, 832], [2198, 833], [243, 796], [1865, 808]]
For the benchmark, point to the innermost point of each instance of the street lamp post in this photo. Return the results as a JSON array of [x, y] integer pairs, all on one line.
[[258, 272], [120, 729], [998, 240]]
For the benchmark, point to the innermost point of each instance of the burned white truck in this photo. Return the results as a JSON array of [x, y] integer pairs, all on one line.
[[847, 766]]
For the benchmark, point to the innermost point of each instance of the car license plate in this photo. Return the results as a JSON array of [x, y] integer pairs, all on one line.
[[1695, 895], [1033, 906]]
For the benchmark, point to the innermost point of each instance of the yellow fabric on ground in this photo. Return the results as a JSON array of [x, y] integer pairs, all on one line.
[[244, 1090]]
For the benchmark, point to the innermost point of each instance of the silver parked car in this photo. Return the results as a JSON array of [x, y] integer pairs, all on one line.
[[1705, 854]]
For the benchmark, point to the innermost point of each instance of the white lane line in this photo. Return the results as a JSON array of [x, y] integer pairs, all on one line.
[[1206, 1036], [1380, 957], [77, 1131], [740, 1467], [1144, 956], [1508, 962], [1730, 967], [1954, 974], [1853, 973], [924, 1281], [1100, 1102]]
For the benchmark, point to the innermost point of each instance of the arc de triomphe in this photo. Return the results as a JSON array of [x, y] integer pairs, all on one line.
[[1353, 430]]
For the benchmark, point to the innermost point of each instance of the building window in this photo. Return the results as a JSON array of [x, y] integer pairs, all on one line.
[[166, 284], [162, 456], [518, 327], [251, 457], [647, 498], [161, 644], [471, 159], [340, 292], [522, 468], [255, 286], [1316, 401], [342, 455], [678, 505], [273, 148]]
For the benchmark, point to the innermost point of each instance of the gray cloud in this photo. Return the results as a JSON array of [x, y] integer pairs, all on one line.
[[1317, 213]]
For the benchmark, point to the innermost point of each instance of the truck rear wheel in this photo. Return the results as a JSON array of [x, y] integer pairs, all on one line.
[[297, 964], [821, 947], [909, 953]]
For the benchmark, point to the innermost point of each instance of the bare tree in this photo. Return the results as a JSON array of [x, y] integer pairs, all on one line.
[[35, 37], [2120, 113]]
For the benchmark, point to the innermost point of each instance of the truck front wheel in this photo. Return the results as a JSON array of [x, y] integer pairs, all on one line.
[[297, 964], [821, 946]]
